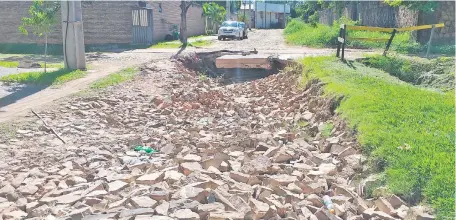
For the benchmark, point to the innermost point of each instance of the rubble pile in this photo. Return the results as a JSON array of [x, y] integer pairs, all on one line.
[[254, 150]]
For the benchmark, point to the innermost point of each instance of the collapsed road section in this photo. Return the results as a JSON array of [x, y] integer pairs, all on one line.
[[172, 145]]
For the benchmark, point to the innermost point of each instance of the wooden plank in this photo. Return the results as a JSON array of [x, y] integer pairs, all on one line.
[[239, 61], [422, 27], [367, 28], [368, 39], [340, 39], [389, 42], [414, 28]]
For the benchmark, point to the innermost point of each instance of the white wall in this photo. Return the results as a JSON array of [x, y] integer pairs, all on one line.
[[267, 21]]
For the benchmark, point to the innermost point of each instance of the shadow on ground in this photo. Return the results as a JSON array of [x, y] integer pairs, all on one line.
[[15, 92]]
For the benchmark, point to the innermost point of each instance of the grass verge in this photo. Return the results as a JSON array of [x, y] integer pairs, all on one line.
[[115, 78], [178, 44], [408, 131], [56, 77], [435, 73], [14, 64], [299, 33]]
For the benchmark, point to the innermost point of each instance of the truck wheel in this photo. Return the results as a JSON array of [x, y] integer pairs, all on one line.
[[219, 38]]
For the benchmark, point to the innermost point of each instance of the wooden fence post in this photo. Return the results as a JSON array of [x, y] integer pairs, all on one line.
[[344, 31], [338, 41], [389, 42], [430, 40]]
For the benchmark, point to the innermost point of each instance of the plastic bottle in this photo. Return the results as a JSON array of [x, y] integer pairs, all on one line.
[[211, 198], [146, 149], [328, 204]]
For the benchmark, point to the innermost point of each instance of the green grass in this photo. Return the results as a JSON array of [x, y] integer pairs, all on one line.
[[435, 73], [408, 131], [14, 64], [56, 77], [326, 130], [9, 64], [178, 44], [299, 33], [115, 78]]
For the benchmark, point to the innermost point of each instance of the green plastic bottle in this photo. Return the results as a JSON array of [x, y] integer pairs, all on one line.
[[146, 149]]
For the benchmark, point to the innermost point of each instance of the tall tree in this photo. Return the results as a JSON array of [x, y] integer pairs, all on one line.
[[41, 21], [425, 6], [215, 15], [184, 6]]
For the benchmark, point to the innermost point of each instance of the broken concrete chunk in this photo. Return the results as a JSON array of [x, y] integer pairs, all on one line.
[[395, 201], [384, 206], [215, 206], [314, 187], [116, 186], [315, 200], [239, 177], [172, 176], [134, 212], [143, 202], [186, 214], [27, 189], [190, 192], [259, 208], [162, 209], [191, 158], [232, 215], [150, 179], [17, 214], [159, 195], [323, 214], [189, 167], [258, 165]]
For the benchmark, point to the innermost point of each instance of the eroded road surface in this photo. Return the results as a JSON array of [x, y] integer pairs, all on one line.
[[252, 150]]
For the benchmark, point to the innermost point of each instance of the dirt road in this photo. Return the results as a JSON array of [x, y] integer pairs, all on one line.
[[20, 101], [223, 151], [253, 150]]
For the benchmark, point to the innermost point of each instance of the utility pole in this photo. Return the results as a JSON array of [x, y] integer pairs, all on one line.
[[265, 15], [73, 35], [243, 1], [250, 14], [284, 15], [228, 10]]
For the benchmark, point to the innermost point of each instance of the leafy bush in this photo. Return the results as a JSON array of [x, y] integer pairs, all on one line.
[[409, 128]]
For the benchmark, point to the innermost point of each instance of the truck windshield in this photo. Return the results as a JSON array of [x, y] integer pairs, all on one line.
[[229, 24]]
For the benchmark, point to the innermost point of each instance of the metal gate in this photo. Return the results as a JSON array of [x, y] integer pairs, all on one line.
[[142, 26]]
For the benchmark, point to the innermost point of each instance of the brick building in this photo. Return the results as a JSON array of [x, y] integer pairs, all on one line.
[[107, 22]]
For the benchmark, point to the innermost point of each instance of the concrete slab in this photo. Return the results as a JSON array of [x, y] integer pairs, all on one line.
[[253, 60]]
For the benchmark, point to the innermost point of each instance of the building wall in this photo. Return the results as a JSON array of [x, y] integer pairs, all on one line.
[[104, 22], [267, 20], [371, 13], [170, 15], [445, 14]]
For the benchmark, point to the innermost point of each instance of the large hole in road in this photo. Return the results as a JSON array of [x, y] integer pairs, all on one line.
[[232, 66]]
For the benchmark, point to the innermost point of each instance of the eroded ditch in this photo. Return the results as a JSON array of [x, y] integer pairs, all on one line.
[[205, 63]]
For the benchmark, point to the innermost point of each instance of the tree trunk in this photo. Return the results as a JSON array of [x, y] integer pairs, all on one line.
[[45, 51], [183, 26]]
